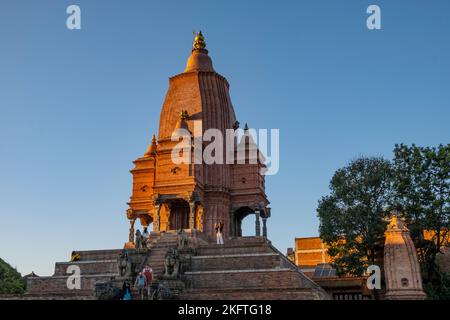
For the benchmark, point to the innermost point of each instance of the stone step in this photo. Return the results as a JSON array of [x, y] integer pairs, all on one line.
[[228, 249], [263, 260], [240, 269], [248, 240], [242, 293], [164, 244], [249, 278], [38, 285], [60, 295], [160, 249], [155, 264], [87, 267], [168, 238], [89, 255]]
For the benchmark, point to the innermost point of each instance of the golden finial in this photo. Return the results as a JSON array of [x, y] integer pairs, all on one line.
[[181, 123], [199, 41], [151, 150], [184, 115]]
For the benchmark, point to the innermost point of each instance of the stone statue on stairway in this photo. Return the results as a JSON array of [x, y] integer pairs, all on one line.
[[182, 240], [124, 264], [140, 241], [171, 263]]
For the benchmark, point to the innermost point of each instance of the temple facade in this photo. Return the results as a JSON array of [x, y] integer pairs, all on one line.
[[196, 195]]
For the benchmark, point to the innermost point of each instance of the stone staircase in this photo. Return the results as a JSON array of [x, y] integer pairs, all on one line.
[[242, 268], [157, 252], [246, 268], [95, 266]]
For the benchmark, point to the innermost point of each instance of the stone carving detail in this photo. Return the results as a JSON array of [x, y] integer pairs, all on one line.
[[175, 170], [160, 292], [106, 291], [172, 263], [129, 214], [140, 241], [183, 241], [124, 264]]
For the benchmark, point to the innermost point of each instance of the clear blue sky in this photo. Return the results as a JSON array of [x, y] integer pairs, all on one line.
[[76, 107]]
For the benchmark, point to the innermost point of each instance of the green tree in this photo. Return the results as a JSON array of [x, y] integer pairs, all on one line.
[[352, 216], [10, 280], [422, 189]]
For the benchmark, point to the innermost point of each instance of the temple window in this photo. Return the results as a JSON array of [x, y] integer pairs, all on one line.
[[405, 282]]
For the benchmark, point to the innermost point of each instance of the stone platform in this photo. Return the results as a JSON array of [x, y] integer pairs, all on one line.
[[242, 268]]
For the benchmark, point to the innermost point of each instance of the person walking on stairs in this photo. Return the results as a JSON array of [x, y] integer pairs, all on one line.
[[141, 284], [148, 273]]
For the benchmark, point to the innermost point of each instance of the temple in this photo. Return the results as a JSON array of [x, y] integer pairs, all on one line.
[[197, 195], [401, 266], [396, 255], [182, 202]]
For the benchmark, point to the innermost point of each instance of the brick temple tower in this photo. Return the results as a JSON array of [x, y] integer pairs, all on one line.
[[401, 266], [196, 195]]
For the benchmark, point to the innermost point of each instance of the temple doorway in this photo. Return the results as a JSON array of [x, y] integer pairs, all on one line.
[[179, 215], [240, 215]]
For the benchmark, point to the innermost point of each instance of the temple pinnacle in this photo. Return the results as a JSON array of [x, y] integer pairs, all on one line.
[[151, 150], [199, 41], [181, 124]]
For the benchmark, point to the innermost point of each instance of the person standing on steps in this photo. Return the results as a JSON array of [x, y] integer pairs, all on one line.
[[148, 273], [141, 284], [126, 290], [146, 236], [218, 227]]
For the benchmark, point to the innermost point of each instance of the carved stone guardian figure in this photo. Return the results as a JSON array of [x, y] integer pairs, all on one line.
[[171, 263], [124, 264], [183, 240], [140, 241]]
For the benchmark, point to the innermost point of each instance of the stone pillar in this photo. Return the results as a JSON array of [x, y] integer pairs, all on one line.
[[257, 224], [192, 215], [156, 219], [199, 218], [131, 234], [232, 225], [264, 219]]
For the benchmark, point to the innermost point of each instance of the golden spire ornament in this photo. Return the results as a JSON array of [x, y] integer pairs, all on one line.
[[199, 41], [151, 150], [184, 115]]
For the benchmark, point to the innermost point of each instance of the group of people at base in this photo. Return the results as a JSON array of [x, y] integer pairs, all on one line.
[[145, 278], [143, 283]]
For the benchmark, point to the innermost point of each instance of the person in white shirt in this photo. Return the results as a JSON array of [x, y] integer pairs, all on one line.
[[219, 229], [145, 234]]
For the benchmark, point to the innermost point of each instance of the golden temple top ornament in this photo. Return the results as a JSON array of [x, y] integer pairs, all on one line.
[[199, 41], [184, 115]]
